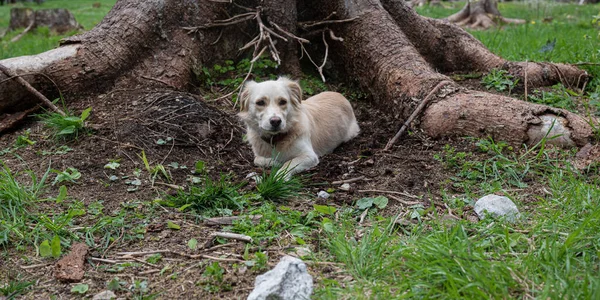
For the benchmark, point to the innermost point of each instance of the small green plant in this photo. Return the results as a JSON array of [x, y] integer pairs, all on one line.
[[211, 197], [14, 288], [559, 97], [14, 202], [66, 127], [70, 175], [229, 75], [278, 185], [500, 80], [214, 278]]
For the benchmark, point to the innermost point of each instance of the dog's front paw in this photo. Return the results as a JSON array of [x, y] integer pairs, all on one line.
[[263, 162]]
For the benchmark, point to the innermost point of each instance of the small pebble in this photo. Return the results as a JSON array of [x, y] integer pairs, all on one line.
[[345, 187], [323, 194]]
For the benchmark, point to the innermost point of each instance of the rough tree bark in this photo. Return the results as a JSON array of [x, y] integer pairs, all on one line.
[[384, 45], [480, 14]]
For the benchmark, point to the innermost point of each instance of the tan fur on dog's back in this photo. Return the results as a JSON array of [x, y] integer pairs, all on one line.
[[331, 120]]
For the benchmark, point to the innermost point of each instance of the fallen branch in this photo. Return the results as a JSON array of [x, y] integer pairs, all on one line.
[[348, 180], [128, 255], [31, 89], [20, 35], [390, 192], [229, 220], [233, 236], [415, 114]]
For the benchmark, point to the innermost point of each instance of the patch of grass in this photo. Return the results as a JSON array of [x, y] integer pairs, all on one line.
[[211, 197], [41, 39], [66, 127], [275, 186], [15, 200], [275, 220], [577, 38], [500, 80], [14, 288], [560, 97]]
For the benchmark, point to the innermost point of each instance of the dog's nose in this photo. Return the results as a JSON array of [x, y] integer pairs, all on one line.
[[275, 122]]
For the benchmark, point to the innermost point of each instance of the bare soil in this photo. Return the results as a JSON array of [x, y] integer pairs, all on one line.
[[127, 121]]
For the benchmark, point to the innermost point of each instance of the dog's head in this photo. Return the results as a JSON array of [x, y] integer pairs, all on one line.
[[270, 106]]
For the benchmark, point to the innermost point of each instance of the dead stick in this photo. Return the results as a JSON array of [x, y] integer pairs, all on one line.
[[233, 236], [415, 114], [526, 63], [390, 192], [31, 89], [348, 180], [18, 37]]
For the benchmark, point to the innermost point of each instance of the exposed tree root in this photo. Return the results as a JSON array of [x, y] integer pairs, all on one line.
[[480, 14]]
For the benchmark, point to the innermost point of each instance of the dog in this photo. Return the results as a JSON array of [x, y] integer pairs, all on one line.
[[285, 131]]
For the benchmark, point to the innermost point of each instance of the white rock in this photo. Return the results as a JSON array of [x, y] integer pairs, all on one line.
[[106, 295], [345, 187], [289, 280], [323, 194], [496, 206]]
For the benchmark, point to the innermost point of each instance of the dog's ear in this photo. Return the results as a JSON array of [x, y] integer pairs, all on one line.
[[294, 89], [244, 96]]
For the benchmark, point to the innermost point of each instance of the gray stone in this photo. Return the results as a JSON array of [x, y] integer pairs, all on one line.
[[289, 280], [323, 194], [496, 206], [106, 295]]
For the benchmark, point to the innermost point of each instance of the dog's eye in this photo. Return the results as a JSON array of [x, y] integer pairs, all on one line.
[[282, 102], [260, 103]]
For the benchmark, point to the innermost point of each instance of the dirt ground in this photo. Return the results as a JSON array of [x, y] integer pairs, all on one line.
[[127, 121]]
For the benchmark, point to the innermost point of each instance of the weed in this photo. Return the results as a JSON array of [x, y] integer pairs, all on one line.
[[500, 80], [273, 221], [211, 197], [214, 275], [70, 175], [14, 201], [66, 127], [14, 288], [277, 186], [559, 97], [230, 76]]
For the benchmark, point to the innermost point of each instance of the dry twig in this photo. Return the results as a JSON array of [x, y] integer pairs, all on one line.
[[415, 114], [31, 89]]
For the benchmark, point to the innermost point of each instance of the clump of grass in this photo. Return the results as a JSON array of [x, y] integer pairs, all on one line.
[[66, 127], [211, 197], [14, 200], [14, 288], [278, 185]]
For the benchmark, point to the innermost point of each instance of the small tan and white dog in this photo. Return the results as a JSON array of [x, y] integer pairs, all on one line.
[[286, 131]]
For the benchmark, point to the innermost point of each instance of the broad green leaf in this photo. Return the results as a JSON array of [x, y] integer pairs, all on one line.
[[380, 201], [55, 245], [85, 114], [113, 165], [67, 130], [81, 288], [193, 243], [324, 209], [327, 225], [173, 226], [184, 207], [364, 203], [114, 285], [199, 167], [62, 194], [45, 250]]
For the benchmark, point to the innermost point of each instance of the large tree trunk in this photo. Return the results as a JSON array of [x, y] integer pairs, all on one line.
[[390, 50]]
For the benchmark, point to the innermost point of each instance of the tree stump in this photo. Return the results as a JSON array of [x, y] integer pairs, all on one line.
[[59, 20]]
